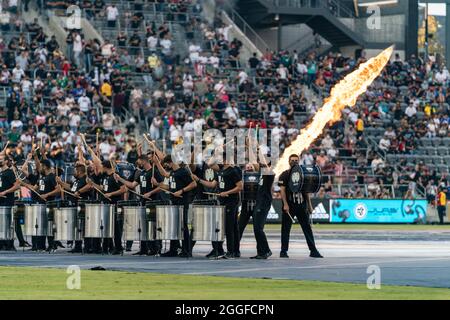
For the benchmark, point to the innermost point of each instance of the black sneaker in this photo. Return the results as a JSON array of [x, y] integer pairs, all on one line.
[[185, 255], [58, 244], [315, 254], [154, 252], [170, 254], [24, 245], [139, 253], [214, 254], [237, 255], [228, 255], [117, 252], [264, 256], [283, 254]]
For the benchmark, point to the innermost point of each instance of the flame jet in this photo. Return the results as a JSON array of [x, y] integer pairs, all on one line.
[[343, 94]]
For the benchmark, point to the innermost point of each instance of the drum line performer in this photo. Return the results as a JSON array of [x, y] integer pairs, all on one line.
[[8, 185], [142, 179], [113, 192], [48, 189], [180, 186], [296, 204], [259, 208], [229, 184], [81, 189]]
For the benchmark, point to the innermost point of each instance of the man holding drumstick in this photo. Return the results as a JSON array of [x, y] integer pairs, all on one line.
[[180, 187], [295, 204]]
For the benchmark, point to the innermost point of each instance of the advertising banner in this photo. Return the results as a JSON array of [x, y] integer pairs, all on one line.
[[378, 211]]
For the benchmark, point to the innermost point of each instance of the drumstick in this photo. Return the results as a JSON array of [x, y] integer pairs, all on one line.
[[32, 190], [148, 140], [6, 146], [96, 143], [70, 193], [101, 192], [213, 194], [57, 175], [293, 221], [138, 194]]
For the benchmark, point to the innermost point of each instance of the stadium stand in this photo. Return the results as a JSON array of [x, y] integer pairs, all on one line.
[[161, 67]]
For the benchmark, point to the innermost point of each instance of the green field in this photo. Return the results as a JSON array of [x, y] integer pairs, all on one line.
[[36, 283]]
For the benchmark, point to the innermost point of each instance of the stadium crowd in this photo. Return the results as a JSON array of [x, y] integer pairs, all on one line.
[[53, 94]]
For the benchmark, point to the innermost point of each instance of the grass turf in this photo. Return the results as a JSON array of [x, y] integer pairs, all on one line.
[[49, 284]]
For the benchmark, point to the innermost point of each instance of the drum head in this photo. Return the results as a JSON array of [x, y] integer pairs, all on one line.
[[296, 179]]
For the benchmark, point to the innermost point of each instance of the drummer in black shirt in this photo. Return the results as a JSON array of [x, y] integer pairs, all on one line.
[[259, 212], [204, 172], [229, 184], [180, 186], [113, 192], [46, 189], [296, 204], [81, 189], [143, 180], [8, 185]]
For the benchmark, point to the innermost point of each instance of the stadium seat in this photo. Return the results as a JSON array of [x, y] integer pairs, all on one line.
[[437, 141], [442, 151]]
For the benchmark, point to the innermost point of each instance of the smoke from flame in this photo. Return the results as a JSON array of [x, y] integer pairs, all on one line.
[[343, 94]]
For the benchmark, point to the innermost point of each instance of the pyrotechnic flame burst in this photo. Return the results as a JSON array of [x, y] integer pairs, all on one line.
[[344, 94]]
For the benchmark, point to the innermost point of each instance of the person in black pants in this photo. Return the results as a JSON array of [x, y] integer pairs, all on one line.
[[260, 210], [181, 185], [298, 205], [113, 192], [142, 180], [200, 173], [229, 184], [47, 189], [8, 184], [80, 188]]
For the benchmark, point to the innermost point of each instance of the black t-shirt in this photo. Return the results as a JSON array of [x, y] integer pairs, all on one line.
[[228, 178], [144, 178], [254, 62], [7, 180], [264, 195], [46, 184], [283, 181], [204, 173], [178, 180], [109, 184], [77, 185]]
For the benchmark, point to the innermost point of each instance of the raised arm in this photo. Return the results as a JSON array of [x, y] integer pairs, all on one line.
[[161, 170]]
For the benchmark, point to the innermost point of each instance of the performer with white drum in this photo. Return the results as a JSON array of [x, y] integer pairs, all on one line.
[[45, 189], [180, 187], [229, 184], [295, 204], [81, 190], [112, 192], [8, 185], [143, 181]]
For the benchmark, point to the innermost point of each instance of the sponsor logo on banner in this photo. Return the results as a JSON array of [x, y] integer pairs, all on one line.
[[378, 211]]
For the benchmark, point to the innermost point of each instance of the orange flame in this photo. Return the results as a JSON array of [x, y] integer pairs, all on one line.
[[345, 93]]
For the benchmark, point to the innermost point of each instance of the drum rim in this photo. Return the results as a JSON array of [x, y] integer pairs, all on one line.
[[319, 184], [203, 206]]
